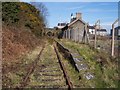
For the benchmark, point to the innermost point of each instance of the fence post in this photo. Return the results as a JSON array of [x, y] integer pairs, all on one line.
[[78, 36], [112, 53], [113, 37], [69, 33], [95, 38], [87, 30], [98, 21]]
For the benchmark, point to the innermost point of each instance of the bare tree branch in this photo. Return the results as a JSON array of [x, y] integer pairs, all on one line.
[[43, 11]]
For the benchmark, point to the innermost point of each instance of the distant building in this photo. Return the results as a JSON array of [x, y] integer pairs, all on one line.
[[76, 28], [91, 29], [101, 32], [116, 31], [61, 25]]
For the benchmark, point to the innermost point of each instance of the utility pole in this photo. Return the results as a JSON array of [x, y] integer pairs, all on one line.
[[113, 37], [98, 21]]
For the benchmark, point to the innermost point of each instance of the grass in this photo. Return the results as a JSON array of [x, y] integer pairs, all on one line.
[[17, 70], [106, 75], [48, 65], [72, 74]]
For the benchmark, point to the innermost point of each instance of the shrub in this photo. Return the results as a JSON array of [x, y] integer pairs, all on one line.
[[10, 12]]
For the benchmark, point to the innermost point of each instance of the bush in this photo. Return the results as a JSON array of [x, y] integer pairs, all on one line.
[[10, 12], [23, 14]]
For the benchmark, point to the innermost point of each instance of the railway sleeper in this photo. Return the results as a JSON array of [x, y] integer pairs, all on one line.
[[47, 80], [52, 74]]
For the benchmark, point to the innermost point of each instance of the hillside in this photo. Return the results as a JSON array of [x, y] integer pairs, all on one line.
[[22, 29]]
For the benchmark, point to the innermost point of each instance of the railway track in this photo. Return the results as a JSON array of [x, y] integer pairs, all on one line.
[[31, 70], [70, 86], [47, 71]]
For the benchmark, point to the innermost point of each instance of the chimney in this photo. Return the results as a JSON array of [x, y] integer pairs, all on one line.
[[78, 15]]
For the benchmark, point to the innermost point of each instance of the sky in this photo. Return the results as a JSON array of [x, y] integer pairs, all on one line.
[[71, 0], [58, 12], [107, 12]]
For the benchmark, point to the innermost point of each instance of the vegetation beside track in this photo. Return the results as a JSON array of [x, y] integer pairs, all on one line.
[[104, 69]]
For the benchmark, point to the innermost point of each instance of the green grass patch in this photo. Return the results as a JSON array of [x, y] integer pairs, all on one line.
[[100, 64]]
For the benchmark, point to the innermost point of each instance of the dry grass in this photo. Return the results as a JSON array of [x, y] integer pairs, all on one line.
[[14, 72], [48, 69], [17, 42]]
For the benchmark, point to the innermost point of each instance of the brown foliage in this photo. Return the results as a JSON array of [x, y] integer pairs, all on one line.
[[17, 41]]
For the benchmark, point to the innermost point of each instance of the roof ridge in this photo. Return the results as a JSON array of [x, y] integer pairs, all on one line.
[[75, 21]]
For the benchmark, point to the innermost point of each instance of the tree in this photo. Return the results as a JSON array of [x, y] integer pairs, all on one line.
[[43, 11]]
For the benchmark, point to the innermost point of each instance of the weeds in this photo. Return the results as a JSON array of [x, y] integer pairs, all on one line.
[[104, 69]]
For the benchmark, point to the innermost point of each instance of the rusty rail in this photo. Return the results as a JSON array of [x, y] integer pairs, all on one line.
[[25, 79], [68, 82], [31, 70]]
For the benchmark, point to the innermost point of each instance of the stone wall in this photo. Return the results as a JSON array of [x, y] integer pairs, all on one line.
[[75, 31]]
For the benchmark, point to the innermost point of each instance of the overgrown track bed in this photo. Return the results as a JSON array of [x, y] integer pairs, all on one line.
[[96, 69], [31, 70], [14, 72], [44, 68], [48, 72], [69, 64], [68, 82]]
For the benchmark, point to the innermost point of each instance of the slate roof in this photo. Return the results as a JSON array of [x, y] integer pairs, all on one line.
[[74, 21], [117, 27], [91, 27], [102, 30]]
